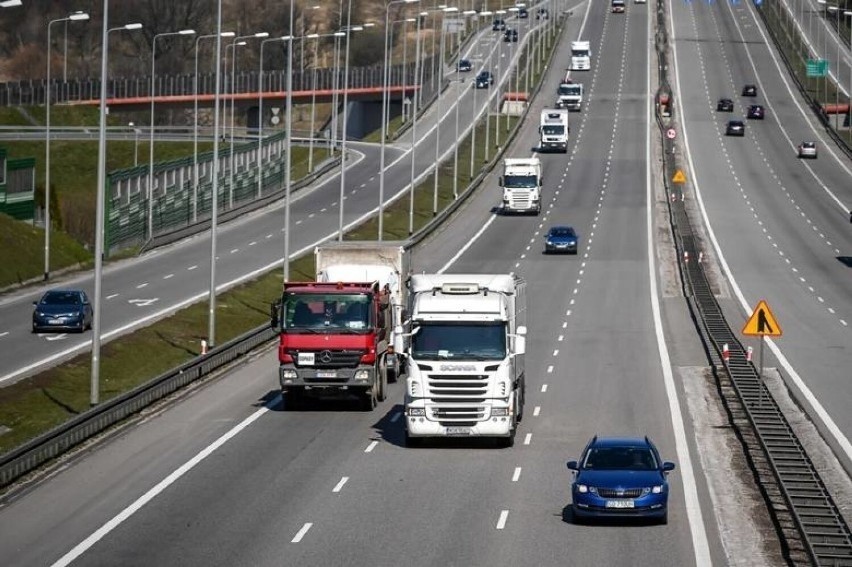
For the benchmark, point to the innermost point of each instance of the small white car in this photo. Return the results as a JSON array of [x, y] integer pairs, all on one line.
[[808, 150]]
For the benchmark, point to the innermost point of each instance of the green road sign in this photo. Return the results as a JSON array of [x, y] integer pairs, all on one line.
[[817, 67]]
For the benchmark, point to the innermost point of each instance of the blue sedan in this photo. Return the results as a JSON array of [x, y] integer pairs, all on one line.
[[63, 310], [561, 239], [620, 477]]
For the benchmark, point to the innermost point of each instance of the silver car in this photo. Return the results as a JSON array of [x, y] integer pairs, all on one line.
[[808, 150]]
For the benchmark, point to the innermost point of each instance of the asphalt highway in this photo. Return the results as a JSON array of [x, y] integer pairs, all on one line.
[[224, 476], [781, 225], [157, 284]]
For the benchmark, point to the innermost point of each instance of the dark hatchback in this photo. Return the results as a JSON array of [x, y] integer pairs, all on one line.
[[620, 477], [484, 80], [561, 239], [464, 66], [749, 90], [498, 25], [735, 128], [725, 105], [63, 310], [756, 112], [510, 35]]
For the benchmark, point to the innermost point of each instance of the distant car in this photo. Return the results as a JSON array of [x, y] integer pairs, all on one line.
[[510, 35], [756, 112], [735, 128], [618, 6], [63, 310], [498, 25], [523, 13], [620, 477], [808, 150], [638, 1], [749, 90], [464, 66], [542, 14], [725, 105], [484, 80], [561, 239]]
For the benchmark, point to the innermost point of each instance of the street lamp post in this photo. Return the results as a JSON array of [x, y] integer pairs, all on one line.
[[151, 143], [848, 14], [135, 143], [459, 95], [214, 198], [260, 116], [76, 16], [100, 209], [417, 68], [473, 131], [195, 129], [385, 101], [446, 10]]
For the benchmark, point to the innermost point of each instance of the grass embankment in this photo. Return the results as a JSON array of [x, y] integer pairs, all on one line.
[[37, 404], [23, 251]]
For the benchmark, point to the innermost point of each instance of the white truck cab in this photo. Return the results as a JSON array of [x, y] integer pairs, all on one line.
[[553, 130], [581, 56], [521, 183]]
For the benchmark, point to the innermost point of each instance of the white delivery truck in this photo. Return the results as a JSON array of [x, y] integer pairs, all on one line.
[[570, 95], [581, 56], [553, 130], [521, 183], [371, 261], [465, 359]]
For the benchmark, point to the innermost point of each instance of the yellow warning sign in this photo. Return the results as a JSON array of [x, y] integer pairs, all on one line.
[[762, 322], [679, 177]]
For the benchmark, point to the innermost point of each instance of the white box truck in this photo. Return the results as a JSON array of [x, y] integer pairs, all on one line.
[[465, 358], [371, 261], [521, 183], [553, 130], [581, 56], [570, 95]]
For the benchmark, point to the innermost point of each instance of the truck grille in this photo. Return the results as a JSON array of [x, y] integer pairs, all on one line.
[[330, 358], [626, 493], [458, 415], [458, 387]]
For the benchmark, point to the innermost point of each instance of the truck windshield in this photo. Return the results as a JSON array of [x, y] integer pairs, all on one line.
[[520, 181], [460, 341], [569, 90], [553, 130], [326, 312], [579, 52]]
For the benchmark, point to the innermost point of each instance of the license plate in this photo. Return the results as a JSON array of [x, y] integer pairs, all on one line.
[[459, 431], [619, 503], [326, 373], [56, 321], [306, 358]]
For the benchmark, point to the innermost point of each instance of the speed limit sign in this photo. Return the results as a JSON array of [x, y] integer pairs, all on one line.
[[671, 133]]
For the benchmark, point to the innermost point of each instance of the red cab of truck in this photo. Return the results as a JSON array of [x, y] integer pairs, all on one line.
[[333, 341]]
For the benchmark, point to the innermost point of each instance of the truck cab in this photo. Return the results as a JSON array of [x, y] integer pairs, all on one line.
[[570, 95], [521, 182], [581, 56], [553, 130]]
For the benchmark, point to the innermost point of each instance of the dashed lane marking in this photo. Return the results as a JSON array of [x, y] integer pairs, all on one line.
[[501, 521], [517, 474], [301, 533], [339, 486], [371, 446]]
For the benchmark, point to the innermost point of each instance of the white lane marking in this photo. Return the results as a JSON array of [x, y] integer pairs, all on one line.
[[536, 411], [544, 388], [565, 324], [396, 417], [116, 521], [112, 296], [58, 337], [301, 533], [560, 338], [501, 522], [550, 369], [140, 286], [339, 485], [371, 446], [467, 245], [168, 276], [235, 250], [556, 352], [268, 236], [527, 438], [4, 333], [189, 269], [252, 243], [517, 474], [700, 545]]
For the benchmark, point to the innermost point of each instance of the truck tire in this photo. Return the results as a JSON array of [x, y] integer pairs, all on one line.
[[393, 370], [412, 442], [521, 401], [507, 442], [382, 380], [293, 399], [370, 399]]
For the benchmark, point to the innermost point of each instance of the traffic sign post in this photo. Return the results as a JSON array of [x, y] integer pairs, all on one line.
[[816, 67], [762, 323], [671, 133]]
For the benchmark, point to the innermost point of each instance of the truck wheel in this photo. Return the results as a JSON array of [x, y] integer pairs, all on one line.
[[520, 401], [412, 442], [393, 370], [370, 401], [382, 380], [293, 399], [507, 442]]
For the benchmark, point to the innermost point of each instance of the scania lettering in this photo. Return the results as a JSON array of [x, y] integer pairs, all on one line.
[[553, 130], [521, 183], [465, 357]]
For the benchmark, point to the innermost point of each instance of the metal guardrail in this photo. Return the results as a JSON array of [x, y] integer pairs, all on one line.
[[34, 454], [806, 515]]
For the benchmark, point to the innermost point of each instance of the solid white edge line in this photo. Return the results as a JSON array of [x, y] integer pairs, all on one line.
[[839, 442], [301, 533], [339, 486], [110, 525], [501, 522], [700, 545]]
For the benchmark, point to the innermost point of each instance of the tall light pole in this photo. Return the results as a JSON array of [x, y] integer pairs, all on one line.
[[260, 115], [459, 96], [848, 14], [473, 131], [499, 66], [385, 100], [135, 143], [446, 10], [195, 129], [151, 142], [214, 199], [237, 42], [100, 209], [75, 17], [414, 110], [336, 35], [288, 163]]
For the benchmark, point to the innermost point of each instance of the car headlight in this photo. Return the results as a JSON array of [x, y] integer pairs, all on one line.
[[362, 375], [497, 412], [582, 488], [288, 374], [659, 489], [417, 412]]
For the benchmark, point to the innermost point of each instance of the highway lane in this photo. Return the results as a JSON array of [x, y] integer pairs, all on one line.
[[328, 487], [141, 290], [781, 223]]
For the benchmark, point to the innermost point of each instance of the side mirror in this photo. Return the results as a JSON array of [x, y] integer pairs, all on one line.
[[668, 467], [521, 331], [35, 302], [541, 181], [572, 465], [273, 315], [500, 180], [520, 344]]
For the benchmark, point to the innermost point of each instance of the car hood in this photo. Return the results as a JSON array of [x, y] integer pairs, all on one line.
[[59, 309], [620, 479], [562, 239]]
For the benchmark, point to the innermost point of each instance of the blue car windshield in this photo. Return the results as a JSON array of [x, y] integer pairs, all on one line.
[[620, 458], [61, 298], [561, 232]]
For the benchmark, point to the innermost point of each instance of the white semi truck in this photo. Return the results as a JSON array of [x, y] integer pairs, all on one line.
[[581, 56], [465, 358], [553, 130], [570, 95], [371, 261], [521, 183]]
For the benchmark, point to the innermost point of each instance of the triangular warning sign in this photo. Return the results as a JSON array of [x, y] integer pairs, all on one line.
[[762, 322], [679, 177]]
